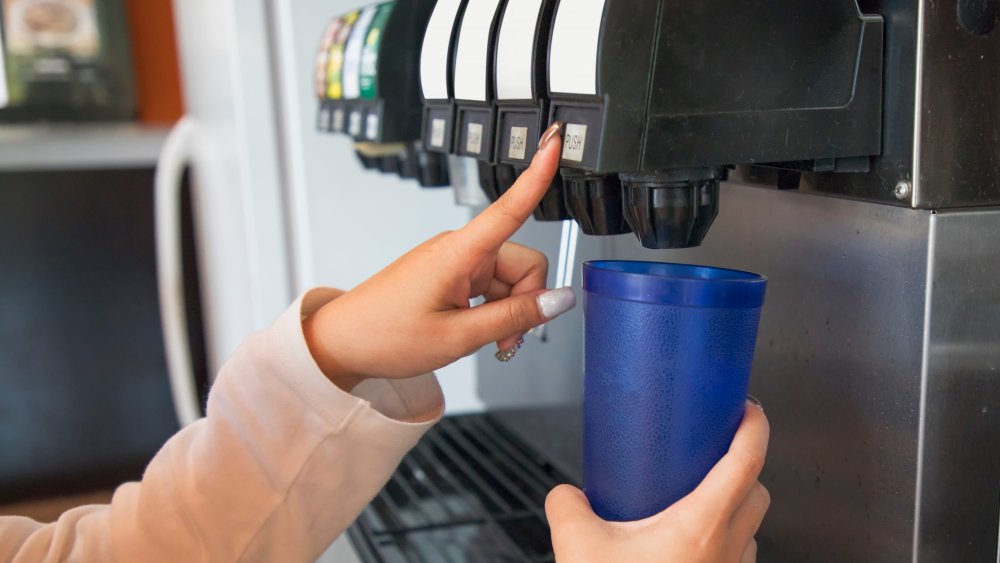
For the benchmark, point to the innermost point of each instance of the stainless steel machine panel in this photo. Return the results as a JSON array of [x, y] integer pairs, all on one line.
[[877, 363], [958, 147], [838, 365], [958, 475]]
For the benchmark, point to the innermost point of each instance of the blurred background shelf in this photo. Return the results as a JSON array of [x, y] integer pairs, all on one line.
[[80, 147]]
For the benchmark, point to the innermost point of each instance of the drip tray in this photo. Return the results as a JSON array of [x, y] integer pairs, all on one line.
[[469, 491]]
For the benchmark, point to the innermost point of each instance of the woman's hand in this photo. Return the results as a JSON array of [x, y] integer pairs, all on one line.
[[714, 524], [414, 316]]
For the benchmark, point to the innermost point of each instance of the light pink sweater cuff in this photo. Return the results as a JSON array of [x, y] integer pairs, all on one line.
[[395, 413]]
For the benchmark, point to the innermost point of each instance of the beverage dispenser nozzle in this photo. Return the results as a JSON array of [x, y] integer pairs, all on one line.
[[595, 202], [672, 209]]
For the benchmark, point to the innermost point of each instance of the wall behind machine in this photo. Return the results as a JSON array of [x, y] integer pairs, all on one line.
[[349, 223]]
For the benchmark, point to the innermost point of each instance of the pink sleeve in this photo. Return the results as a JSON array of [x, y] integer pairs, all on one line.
[[282, 464]]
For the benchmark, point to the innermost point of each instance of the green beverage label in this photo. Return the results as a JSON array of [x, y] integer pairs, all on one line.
[[370, 51], [335, 64]]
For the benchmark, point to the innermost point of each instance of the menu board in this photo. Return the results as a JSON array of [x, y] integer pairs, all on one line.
[[47, 41], [35, 27]]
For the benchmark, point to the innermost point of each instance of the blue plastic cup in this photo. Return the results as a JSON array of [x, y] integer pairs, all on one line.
[[667, 363]]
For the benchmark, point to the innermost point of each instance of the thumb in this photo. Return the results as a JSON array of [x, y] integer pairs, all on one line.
[[516, 314], [569, 512]]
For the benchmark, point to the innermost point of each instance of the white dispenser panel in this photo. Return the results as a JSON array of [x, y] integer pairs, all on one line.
[[471, 65], [515, 47], [573, 53], [436, 50]]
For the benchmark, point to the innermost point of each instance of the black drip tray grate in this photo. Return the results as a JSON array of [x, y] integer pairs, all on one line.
[[470, 491]]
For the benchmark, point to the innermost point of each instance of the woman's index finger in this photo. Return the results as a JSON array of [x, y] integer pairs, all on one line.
[[500, 221]]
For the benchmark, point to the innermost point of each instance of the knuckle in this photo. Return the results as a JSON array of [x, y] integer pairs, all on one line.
[[540, 262], [517, 315], [763, 496], [750, 463]]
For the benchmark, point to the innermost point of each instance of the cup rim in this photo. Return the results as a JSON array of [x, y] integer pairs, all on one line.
[[674, 284]]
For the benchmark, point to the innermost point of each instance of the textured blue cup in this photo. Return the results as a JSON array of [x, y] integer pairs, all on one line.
[[667, 363]]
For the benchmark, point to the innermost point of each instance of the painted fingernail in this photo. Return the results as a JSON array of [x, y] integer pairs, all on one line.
[[753, 401], [556, 302], [550, 133], [507, 355]]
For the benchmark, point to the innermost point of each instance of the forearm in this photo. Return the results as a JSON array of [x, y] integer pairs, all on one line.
[[282, 464]]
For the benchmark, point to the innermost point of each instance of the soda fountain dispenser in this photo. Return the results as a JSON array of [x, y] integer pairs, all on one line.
[[716, 130], [651, 99]]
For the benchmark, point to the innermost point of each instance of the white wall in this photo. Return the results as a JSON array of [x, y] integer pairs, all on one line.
[[349, 223]]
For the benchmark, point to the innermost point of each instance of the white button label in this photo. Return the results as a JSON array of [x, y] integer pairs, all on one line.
[[437, 133], [474, 138], [355, 125], [575, 141], [518, 143], [338, 120], [324, 119], [372, 127]]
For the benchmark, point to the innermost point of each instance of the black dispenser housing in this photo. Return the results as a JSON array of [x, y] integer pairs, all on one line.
[[438, 117], [679, 99], [522, 117], [392, 110], [475, 119]]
